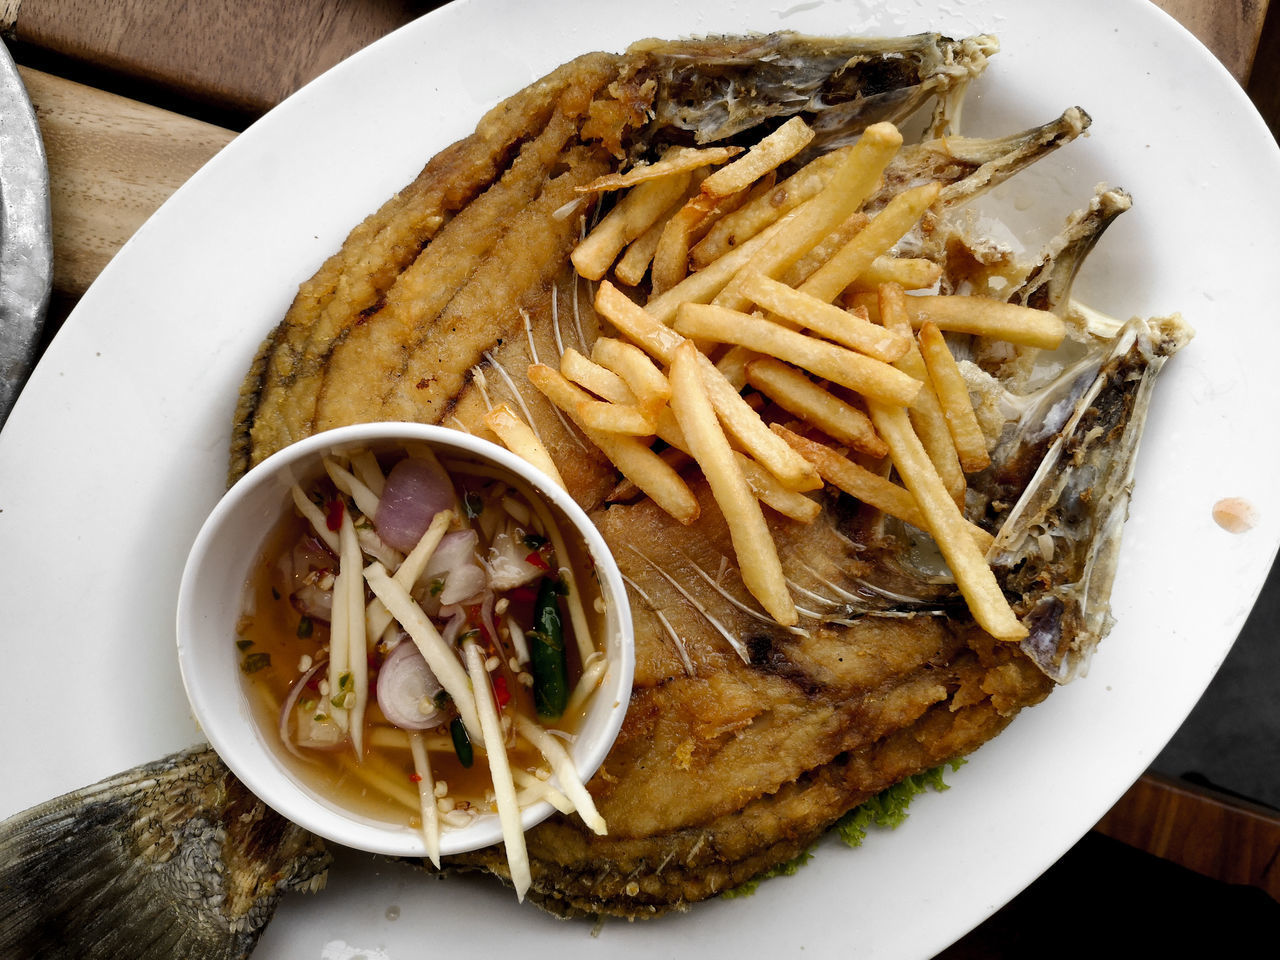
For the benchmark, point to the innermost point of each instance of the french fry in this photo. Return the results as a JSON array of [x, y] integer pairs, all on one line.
[[768, 154], [742, 422], [753, 544], [803, 268], [630, 218], [856, 480], [625, 489], [797, 394], [953, 394], [765, 209], [723, 206], [702, 286], [871, 378], [885, 229], [871, 488], [767, 488], [649, 385], [634, 262], [592, 376], [622, 418], [927, 416], [739, 419], [638, 324], [947, 525], [674, 161], [635, 460], [851, 183], [826, 319], [671, 256], [910, 273], [518, 437], [981, 317]]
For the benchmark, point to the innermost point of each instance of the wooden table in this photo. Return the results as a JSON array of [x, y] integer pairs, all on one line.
[[132, 104]]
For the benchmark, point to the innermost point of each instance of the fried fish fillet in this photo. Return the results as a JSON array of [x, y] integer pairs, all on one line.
[[435, 307]]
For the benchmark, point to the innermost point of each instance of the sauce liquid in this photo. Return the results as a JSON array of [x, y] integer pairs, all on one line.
[[277, 644]]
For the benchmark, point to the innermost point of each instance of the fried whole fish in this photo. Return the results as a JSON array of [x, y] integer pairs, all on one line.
[[744, 740]]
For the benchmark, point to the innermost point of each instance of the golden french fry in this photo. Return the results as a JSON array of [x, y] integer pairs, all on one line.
[[637, 323], [632, 216], [927, 415], [621, 418], [825, 248], [634, 262], [626, 489], [753, 544], [739, 419], [851, 183], [518, 437], [981, 317], [856, 480], [826, 319], [953, 394], [910, 273], [871, 488], [765, 209], [723, 206], [636, 461], [794, 392], [592, 376], [674, 161], [947, 525], [742, 422], [671, 256], [870, 377], [885, 229], [649, 385], [767, 488], [706, 283], [768, 154]]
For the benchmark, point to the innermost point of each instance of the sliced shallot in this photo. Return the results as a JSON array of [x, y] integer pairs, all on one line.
[[417, 489], [407, 689]]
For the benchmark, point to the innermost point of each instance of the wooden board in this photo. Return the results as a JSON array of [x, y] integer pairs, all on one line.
[[112, 162], [1205, 830], [243, 58]]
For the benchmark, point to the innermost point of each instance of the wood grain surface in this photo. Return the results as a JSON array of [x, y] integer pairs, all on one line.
[[1230, 28], [241, 58], [1205, 830], [112, 162]]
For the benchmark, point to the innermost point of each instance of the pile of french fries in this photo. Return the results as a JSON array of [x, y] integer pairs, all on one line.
[[783, 296]]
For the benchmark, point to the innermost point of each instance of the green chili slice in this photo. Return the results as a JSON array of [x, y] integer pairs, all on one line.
[[547, 653], [461, 742]]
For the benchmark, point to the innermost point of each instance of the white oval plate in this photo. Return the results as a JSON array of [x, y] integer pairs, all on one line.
[[116, 450]]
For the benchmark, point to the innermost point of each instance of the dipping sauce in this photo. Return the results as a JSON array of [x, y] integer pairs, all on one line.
[[402, 613]]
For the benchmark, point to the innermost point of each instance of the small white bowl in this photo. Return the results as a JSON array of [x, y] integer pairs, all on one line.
[[213, 590]]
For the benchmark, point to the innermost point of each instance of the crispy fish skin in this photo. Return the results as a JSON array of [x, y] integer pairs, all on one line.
[[277, 399]]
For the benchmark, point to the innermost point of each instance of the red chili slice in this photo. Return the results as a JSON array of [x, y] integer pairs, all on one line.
[[333, 518], [500, 691]]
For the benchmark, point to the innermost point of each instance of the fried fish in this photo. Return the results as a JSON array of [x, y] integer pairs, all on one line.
[[744, 739]]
